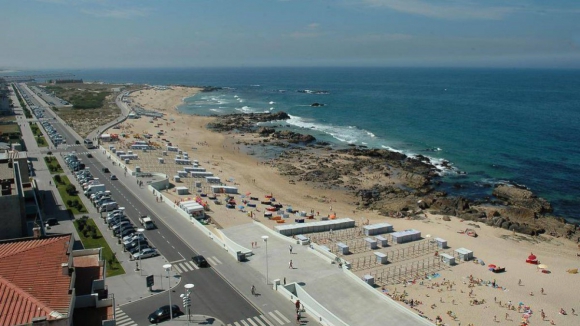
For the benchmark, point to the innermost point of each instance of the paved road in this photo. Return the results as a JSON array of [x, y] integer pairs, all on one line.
[[212, 296]]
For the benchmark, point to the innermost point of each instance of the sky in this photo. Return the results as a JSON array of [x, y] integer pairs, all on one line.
[[59, 34]]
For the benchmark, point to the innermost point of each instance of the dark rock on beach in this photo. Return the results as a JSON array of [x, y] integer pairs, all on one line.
[[523, 198], [293, 137], [389, 182]]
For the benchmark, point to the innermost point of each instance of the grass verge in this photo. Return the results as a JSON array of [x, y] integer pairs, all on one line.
[[91, 237], [68, 193], [40, 140], [52, 164]]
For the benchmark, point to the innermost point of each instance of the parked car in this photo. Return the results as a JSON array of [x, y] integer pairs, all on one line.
[[122, 224], [105, 170], [200, 261], [114, 177], [163, 313], [138, 236], [119, 221], [135, 250], [145, 253], [126, 231], [136, 244]]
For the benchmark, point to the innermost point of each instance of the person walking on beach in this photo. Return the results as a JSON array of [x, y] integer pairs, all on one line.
[[290, 247], [290, 266]]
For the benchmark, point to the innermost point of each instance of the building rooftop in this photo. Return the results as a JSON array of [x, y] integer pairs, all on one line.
[[33, 281], [88, 269]]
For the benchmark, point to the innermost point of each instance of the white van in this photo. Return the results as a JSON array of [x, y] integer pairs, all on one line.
[[107, 207], [94, 189]]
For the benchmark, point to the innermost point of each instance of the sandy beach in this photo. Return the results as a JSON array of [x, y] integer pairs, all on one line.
[[450, 293]]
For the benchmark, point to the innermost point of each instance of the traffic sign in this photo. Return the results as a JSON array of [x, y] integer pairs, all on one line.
[[150, 281]]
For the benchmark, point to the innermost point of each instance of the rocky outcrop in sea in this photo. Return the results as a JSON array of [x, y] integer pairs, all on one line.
[[405, 186]]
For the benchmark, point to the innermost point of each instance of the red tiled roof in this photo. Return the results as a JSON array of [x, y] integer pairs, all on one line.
[[31, 280]]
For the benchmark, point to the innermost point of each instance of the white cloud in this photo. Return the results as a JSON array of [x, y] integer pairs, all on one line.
[[120, 13], [309, 31], [445, 9]]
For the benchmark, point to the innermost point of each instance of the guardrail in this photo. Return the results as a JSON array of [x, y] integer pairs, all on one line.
[[294, 291]]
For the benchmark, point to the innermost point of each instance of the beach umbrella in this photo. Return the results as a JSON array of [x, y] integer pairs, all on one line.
[[241, 207], [481, 262], [491, 266], [543, 266]]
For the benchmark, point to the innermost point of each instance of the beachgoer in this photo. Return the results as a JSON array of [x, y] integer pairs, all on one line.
[[290, 247], [562, 311], [290, 265]]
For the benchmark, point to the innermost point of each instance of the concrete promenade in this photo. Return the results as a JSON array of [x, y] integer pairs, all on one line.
[[354, 304]]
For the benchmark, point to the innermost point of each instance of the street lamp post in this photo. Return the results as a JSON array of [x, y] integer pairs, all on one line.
[[265, 238], [139, 232], [187, 300], [167, 268]]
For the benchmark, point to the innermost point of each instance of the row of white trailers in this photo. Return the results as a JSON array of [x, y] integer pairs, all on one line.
[[193, 208]]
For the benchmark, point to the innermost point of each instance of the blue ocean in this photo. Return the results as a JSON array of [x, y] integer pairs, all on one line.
[[493, 126]]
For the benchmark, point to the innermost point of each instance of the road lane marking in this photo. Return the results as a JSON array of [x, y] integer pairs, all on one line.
[[244, 323], [266, 320], [190, 265], [217, 260], [177, 269], [275, 318], [282, 316], [210, 261], [251, 322], [259, 320], [184, 267]]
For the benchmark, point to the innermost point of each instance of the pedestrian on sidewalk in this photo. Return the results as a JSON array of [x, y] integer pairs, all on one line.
[[290, 265], [290, 247], [253, 290]]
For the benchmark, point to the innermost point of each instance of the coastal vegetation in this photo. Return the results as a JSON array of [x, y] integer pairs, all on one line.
[[69, 194], [93, 104], [91, 237], [81, 98]]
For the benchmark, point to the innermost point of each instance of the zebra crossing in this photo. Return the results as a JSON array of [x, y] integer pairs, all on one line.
[[188, 266], [262, 320], [121, 318]]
